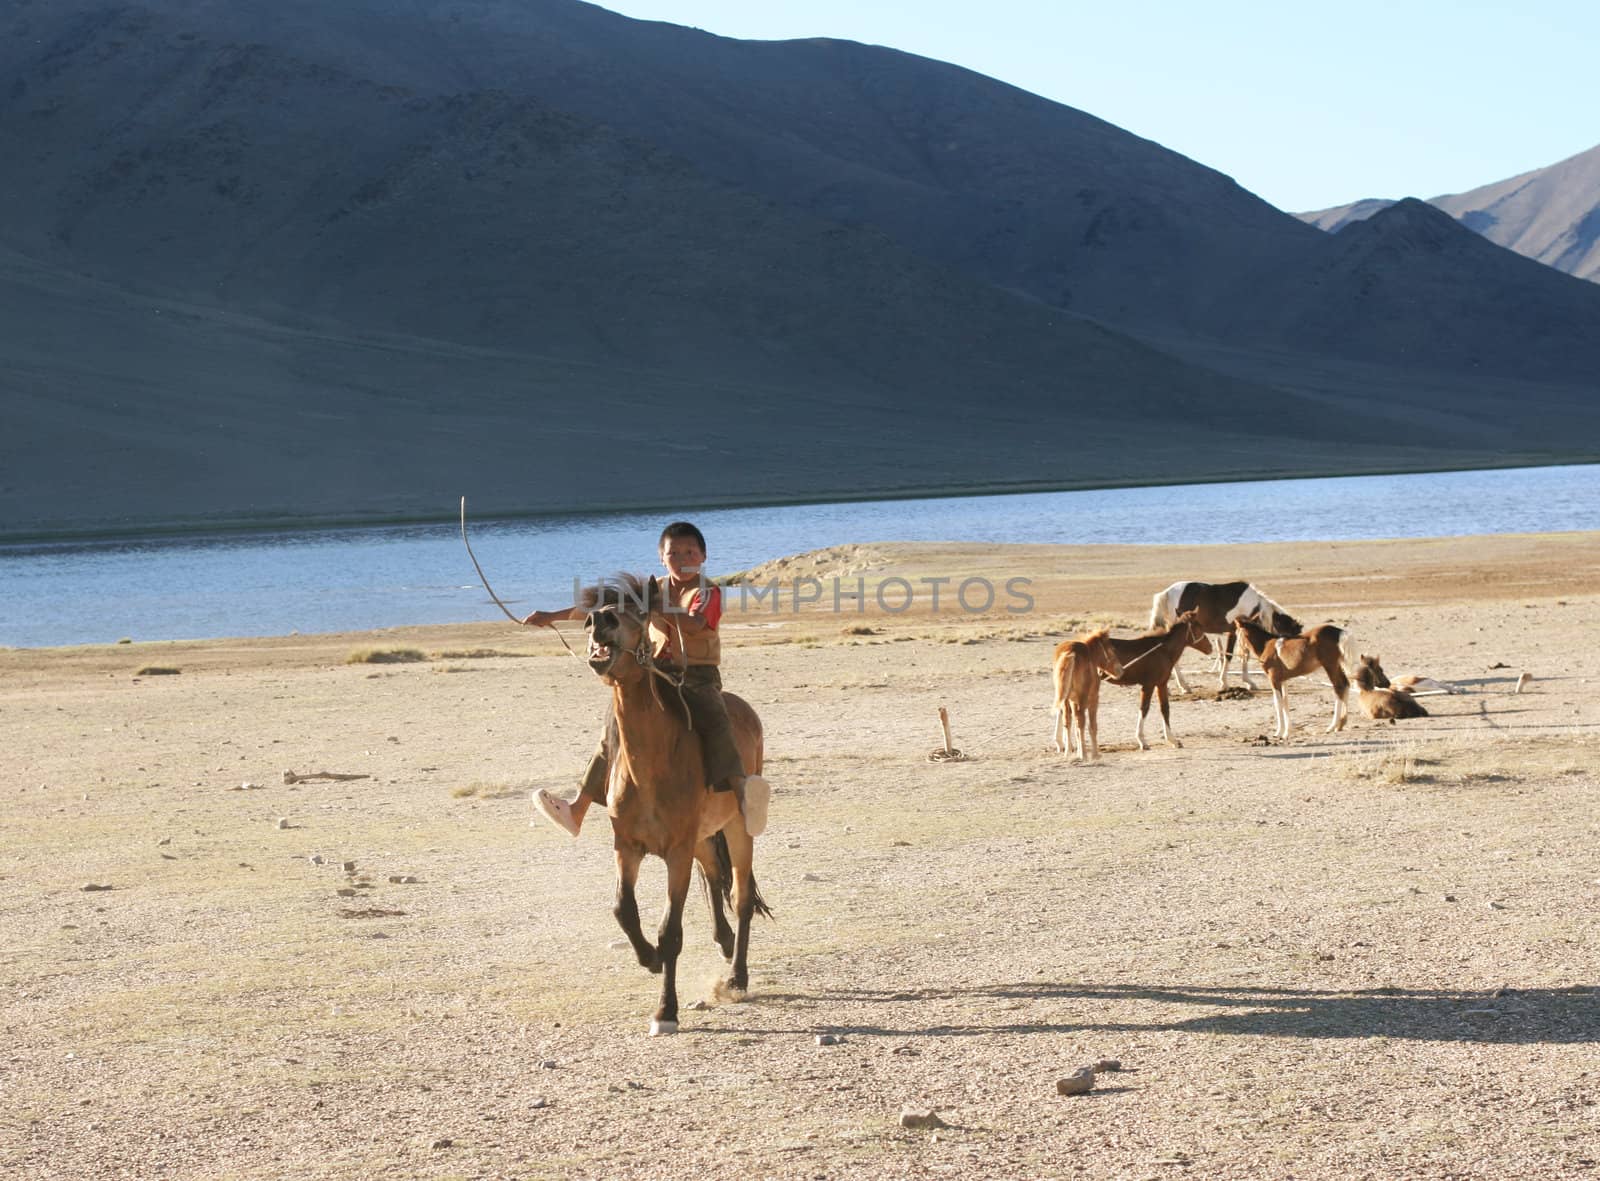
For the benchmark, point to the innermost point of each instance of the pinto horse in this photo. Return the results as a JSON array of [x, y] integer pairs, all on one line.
[[1076, 671], [1285, 657], [658, 797], [1148, 660], [1217, 605]]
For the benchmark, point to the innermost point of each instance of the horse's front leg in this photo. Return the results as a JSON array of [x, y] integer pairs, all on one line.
[[1092, 709], [669, 942], [1145, 693], [1225, 658], [1280, 705], [1177, 671], [626, 907]]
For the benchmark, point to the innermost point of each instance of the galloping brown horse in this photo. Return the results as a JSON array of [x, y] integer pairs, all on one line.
[[657, 795], [1148, 660], [1283, 658]]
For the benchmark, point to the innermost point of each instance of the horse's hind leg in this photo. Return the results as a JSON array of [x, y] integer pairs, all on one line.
[[716, 882], [1341, 686], [1145, 692], [741, 850], [1166, 715], [669, 942], [626, 908]]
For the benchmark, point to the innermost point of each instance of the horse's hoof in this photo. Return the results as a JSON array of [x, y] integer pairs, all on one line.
[[662, 1028]]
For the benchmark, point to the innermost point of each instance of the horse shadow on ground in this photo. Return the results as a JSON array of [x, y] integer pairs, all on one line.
[[1508, 1016]]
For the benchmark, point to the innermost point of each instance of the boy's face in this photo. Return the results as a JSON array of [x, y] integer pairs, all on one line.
[[683, 557]]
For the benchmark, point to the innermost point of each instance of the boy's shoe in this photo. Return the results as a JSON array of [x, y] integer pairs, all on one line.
[[756, 796], [556, 810]]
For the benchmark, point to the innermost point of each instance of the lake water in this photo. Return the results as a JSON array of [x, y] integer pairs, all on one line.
[[354, 579]]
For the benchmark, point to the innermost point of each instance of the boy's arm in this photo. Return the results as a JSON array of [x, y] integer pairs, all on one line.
[[546, 618]]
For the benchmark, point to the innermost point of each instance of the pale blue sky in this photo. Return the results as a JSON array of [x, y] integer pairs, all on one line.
[[1305, 106]]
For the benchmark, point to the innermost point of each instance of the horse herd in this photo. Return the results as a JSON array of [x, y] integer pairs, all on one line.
[[659, 805], [1186, 615]]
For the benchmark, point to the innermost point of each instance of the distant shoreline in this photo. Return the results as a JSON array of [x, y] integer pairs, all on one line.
[[247, 525]]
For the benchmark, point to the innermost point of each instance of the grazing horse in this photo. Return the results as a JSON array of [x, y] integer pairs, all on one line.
[[1076, 671], [1380, 700], [658, 797], [1217, 605], [1285, 657], [1148, 660]]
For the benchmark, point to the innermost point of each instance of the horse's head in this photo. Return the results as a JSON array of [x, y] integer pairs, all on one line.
[[1252, 635], [617, 626], [1194, 635], [1370, 674], [1281, 624], [1101, 652]]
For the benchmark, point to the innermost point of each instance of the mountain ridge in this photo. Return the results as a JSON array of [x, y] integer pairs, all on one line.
[[334, 268]]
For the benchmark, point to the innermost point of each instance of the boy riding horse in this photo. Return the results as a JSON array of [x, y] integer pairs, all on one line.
[[683, 635]]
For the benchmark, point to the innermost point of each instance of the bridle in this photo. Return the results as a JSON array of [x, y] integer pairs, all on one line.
[[646, 659]]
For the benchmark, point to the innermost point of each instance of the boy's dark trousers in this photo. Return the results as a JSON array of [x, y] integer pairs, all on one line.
[[702, 690]]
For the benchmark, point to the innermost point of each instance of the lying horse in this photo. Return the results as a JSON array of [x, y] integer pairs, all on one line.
[[1217, 605], [1285, 657], [1379, 699], [658, 797], [1148, 660], [1076, 672]]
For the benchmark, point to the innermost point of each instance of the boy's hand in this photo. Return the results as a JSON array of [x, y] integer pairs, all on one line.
[[540, 619]]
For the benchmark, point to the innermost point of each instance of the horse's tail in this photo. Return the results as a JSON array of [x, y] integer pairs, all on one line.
[[719, 849], [1349, 651]]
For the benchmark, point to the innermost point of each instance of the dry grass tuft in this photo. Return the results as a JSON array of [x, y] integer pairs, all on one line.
[[386, 656], [1460, 763], [476, 654]]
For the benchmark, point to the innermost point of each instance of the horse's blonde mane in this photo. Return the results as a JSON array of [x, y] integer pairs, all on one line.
[[631, 592]]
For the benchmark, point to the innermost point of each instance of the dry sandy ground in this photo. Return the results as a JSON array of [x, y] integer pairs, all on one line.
[[1362, 955]]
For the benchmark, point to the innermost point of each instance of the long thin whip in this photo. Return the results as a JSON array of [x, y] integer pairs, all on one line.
[[484, 579], [481, 576]]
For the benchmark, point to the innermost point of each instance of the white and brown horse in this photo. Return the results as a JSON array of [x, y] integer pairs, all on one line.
[[1217, 605], [1147, 661], [1285, 657], [1076, 670]]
